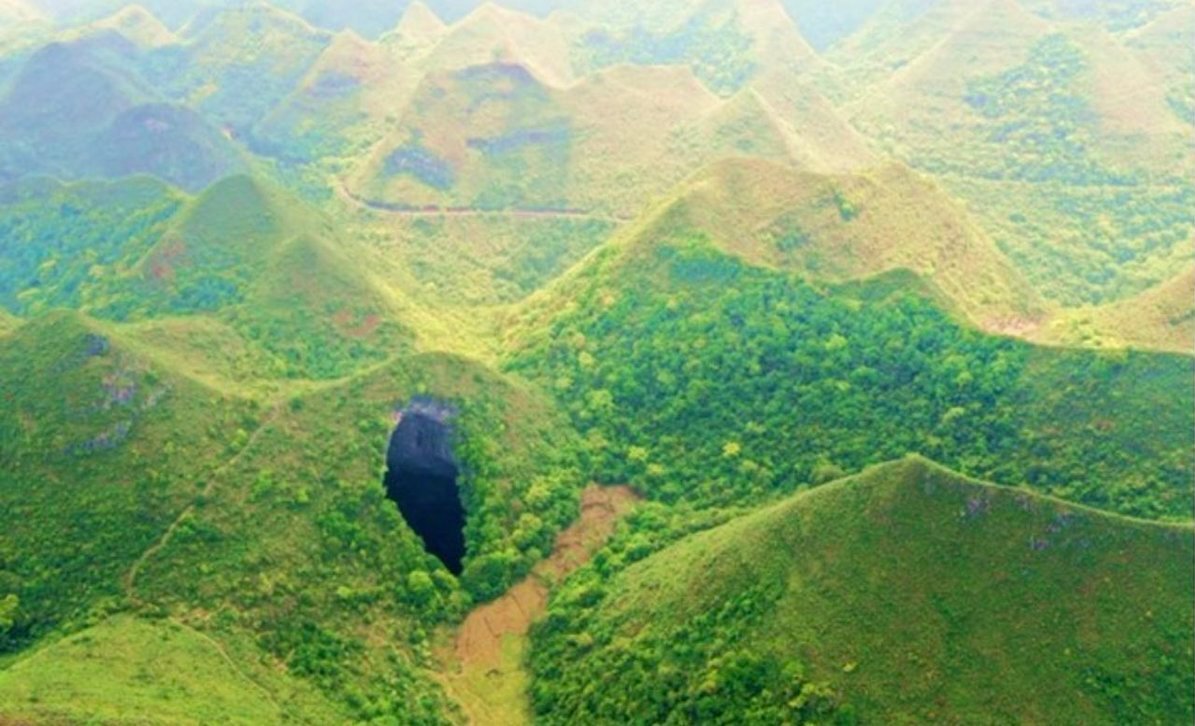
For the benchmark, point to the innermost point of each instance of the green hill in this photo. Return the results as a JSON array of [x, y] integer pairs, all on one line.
[[489, 136], [1161, 318], [127, 669], [102, 449], [494, 34], [170, 142], [139, 25], [841, 227], [64, 95], [707, 380], [85, 108], [903, 595], [59, 244], [1027, 120], [239, 63], [343, 105], [140, 490], [257, 259], [663, 245], [498, 136], [726, 43]]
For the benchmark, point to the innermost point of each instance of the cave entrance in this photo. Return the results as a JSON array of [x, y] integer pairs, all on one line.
[[421, 477]]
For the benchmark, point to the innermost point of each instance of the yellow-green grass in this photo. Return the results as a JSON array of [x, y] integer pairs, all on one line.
[[620, 135], [493, 693], [493, 33], [102, 448], [128, 670], [8, 322], [1161, 318], [1026, 120], [914, 594], [139, 25], [838, 228], [343, 105]]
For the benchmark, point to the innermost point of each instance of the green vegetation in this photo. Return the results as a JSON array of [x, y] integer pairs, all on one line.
[[101, 452], [1090, 213], [713, 45], [620, 243], [1043, 125], [1120, 224], [126, 669], [59, 245], [493, 259], [255, 258], [225, 515], [306, 505], [705, 380], [901, 595], [1116, 15], [1087, 245]]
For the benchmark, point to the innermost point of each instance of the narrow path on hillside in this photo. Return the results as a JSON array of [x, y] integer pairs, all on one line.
[[437, 211], [223, 652], [484, 665], [130, 579]]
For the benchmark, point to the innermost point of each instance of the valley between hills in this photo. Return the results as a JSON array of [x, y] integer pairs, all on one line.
[[548, 361]]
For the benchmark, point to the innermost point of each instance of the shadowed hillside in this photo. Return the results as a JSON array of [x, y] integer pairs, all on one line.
[[83, 108]]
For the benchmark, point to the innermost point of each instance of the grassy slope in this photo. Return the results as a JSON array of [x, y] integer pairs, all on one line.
[[1162, 317], [298, 548], [88, 106], [908, 590], [139, 25], [843, 227], [607, 143], [125, 669], [102, 450], [343, 105], [482, 260], [248, 287], [223, 515], [1027, 121], [244, 60], [626, 131], [492, 33], [8, 322]]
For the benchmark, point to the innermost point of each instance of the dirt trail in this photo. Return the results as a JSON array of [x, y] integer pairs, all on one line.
[[130, 578], [485, 673], [436, 212]]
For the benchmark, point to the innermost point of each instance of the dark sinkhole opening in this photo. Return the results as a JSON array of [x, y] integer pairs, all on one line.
[[421, 477]]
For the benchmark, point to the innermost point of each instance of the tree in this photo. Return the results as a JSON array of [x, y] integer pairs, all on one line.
[[8, 612]]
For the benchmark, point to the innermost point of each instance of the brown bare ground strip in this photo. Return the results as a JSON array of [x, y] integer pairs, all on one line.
[[482, 648]]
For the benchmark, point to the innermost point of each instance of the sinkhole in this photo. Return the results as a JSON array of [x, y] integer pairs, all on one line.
[[421, 477]]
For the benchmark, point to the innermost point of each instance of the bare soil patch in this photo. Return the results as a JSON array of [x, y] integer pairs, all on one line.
[[484, 671]]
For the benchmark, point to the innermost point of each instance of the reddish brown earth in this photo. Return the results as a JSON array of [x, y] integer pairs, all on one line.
[[479, 640], [484, 659]]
